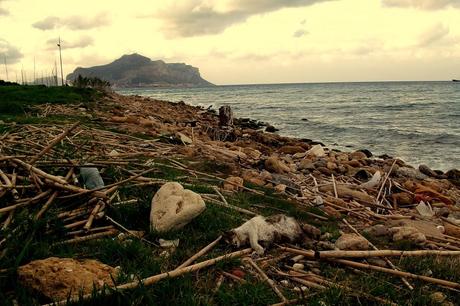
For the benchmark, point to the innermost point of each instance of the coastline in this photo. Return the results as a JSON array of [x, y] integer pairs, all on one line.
[[253, 173]]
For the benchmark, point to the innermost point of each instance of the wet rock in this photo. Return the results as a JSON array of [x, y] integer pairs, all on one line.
[[57, 278], [233, 183], [366, 152], [351, 242], [271, 129], [427, 171], [274, 164], [173, 207]]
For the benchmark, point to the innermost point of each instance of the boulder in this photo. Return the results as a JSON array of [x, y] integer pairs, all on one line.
[[274, 164], [173, 207], [407, 233], [352, 242], [59, 278], [232, 183]]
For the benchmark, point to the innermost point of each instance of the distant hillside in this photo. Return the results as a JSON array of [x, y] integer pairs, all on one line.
[[139, 71]]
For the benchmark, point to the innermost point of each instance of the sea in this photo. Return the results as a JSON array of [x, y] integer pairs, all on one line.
[[418, 122]]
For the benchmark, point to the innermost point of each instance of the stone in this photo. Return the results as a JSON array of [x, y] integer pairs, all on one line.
[[173, 207], [274, 164], [252, 153], [271, 129], [311, 231], [280, 188], [316, 151], [427, 171], [410, 173], [358, 155], [233, 183], [366, 152], [306, 164], [378, 230], [184, 139], [438, 297], [298, 266], [58, 278], [91, 177], [402, 199], [351, 242], [408, 233], [253, 177], [451, 230], [291, 149], [332, 212]]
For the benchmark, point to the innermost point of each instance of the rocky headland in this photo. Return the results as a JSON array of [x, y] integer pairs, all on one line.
[[135, 70]]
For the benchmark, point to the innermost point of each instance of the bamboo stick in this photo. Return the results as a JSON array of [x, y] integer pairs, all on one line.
[[87, 238], [53, 143], [432, 280], [366, 254], [265, 278], [200, 253]]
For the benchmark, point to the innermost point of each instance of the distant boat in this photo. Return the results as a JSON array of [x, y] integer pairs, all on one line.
[[454, 80]]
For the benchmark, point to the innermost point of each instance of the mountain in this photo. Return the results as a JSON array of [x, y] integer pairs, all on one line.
[[135, 70]]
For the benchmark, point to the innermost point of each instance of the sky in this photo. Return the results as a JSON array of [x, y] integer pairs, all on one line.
[[240, 41]]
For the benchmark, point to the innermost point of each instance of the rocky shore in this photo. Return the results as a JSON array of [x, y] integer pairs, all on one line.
[[346, 201]]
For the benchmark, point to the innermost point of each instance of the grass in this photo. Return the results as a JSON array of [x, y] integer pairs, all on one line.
[[17, 99]]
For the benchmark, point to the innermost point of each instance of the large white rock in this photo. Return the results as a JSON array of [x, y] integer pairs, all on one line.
[[173, 207]]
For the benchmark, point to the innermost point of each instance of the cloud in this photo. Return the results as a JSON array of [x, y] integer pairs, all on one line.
[[72, 22], [433, 35], [300, 33], [10, 52], [200, 17], [3, 11], [422, 4], [82, 42]]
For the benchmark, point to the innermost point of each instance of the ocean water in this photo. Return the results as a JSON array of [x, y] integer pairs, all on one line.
[[418, 122]]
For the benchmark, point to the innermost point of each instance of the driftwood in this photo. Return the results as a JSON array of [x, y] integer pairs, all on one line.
[[200, 253]]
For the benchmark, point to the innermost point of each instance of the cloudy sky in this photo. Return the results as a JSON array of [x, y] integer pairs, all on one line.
[[241, 41]]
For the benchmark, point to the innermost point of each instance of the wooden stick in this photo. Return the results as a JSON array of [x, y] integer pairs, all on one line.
[[127, 231], [366, 254], [156, 278], [234, 277], [53, 143], [92, 215], [432, 280], [384, 181], [203, 251], [86, 238], [265, 278], [335, 186], [242, 210]]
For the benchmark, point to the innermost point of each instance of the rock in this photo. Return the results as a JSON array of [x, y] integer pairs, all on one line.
[[311, 231], [280, 188], [427, 171], [306, 164], [91, 177], [377, 230], [354, 163], [332, 212], [366, 152], [173, 207], [316, 151], [402, 199], [271, 129], [451, 230], [438, 297], [442, 212], [410, 173], [225, 116], [291, 149], [407, 233], [57, 278], [253, 177], [233, 183], [351, 242], [252, 153], [358, 155], [183, 138], [274, 164], [424, 210], [298, 266]]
